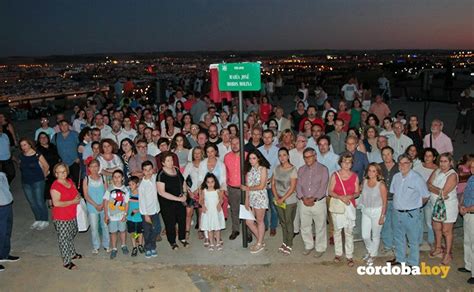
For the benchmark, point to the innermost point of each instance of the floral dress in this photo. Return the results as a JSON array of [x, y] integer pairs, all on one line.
[[258, 199]]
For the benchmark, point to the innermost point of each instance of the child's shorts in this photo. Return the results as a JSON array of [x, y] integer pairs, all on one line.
[[117, 226], [136, 227]]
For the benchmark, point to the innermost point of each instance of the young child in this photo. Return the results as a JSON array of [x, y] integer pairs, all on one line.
[[149, 209], [115, 207], [134, 218], [94, 187], [212, 218]]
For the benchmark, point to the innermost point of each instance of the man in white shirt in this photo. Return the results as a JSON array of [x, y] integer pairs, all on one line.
[[296, 154], [283, 123], [117, 135], [399, 142], [105, 130], [376, 154], [224, 146], [349, 90], [149, 209]]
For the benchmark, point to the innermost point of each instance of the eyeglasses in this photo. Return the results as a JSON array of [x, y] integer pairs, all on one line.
[[308, 156]]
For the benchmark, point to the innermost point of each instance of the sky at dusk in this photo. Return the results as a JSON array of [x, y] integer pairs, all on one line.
[[31, 27]]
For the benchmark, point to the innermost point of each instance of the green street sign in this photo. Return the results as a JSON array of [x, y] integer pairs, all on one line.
[[239, 77]]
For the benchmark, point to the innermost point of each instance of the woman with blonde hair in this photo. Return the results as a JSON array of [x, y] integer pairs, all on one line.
[[442, 185], [287, 139], [373, 202]]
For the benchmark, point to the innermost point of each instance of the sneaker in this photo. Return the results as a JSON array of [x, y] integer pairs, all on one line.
[[124, 249], [35, 225], [107, 249], [134, 252], [141, 249], [42, 225], [366, 257], [147, 254], [2, 268], [10, 259], [113, 254], [95, 251], [154, 253]]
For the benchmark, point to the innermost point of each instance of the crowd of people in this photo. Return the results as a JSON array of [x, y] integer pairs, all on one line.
[[308, 170]]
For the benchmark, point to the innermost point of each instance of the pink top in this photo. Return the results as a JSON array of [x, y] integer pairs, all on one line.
[[265, 111], [349, 185], [380, 110], [462, 185], [442, 143], [232, 167]]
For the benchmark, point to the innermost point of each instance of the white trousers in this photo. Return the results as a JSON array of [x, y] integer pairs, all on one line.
[[316, 214], [371, 229], [469, 242], [348, 237]]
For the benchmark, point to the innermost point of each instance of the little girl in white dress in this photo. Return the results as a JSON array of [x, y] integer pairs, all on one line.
[[212, 218]]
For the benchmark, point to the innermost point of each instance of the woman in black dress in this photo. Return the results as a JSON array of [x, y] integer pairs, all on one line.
[[172, 190], [50, 153]]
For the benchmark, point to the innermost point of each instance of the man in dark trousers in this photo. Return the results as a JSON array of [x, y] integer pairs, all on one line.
[[6, 222]]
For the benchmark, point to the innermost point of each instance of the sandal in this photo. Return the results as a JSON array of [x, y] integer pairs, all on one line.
[[70, 266], [174, 246], [206, 242], [337, 259], [350, 262], [187, 235], [447, 260], [219, 246], [436, 253], [77, 256], [200, 235], [185, 243], [211, 247]]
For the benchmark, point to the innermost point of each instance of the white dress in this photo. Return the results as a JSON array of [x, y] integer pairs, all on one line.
[[212, 220], [452, 202]]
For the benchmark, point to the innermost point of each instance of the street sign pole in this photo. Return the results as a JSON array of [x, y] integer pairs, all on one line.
[[240, 77], [242, 157]]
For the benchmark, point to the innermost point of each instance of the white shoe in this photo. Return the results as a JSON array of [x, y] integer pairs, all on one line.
[[95, 251], [42, 225], [370, 261], [35, 224], [366, 257]]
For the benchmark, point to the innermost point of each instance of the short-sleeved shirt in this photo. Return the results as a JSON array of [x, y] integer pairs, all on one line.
[[173, 185], [66, 194], [5, 153], [282, 179], [408, 191], [67, 146], [469, 192], [117, 198], [388, 177], [442, 143]]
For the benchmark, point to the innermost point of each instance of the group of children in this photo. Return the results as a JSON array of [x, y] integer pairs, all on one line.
[[116, 208]]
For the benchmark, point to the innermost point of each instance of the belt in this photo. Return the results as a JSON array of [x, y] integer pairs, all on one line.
[[233, 187], [470, 213], [407, 211], [317, 200]]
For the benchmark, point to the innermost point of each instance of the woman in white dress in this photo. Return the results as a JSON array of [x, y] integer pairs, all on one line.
[[191, 171], [442, 184]]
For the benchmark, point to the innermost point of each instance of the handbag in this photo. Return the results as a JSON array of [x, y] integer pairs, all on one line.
[[337, 206], [439, 209], [82, 217]]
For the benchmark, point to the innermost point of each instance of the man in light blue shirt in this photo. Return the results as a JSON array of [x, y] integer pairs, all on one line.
[[67, 142], [409, 193], [325, 156], [270, 152], [6, 221]]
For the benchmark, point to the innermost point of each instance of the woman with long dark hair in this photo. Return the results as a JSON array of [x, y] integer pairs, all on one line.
[[50, 153], [256, 197]]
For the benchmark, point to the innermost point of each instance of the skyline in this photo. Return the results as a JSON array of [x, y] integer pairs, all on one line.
[[57, 28]]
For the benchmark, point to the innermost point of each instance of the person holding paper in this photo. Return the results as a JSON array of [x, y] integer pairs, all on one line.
[[256, 198], [284, 191]]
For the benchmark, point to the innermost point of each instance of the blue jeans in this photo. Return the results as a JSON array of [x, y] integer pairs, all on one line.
[[272, 211], [387, 229], [426, 219], [35, 195], [95, 219], [6, 224], [407, 226], [150, 231]]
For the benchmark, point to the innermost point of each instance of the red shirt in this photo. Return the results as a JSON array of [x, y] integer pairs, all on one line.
[[316, 121], [128, 86], [349, 186], [265, 111], [67, 194], [232, 167], [188, 104]]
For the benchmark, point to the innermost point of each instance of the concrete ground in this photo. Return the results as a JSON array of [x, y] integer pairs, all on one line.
[[196, 268]]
